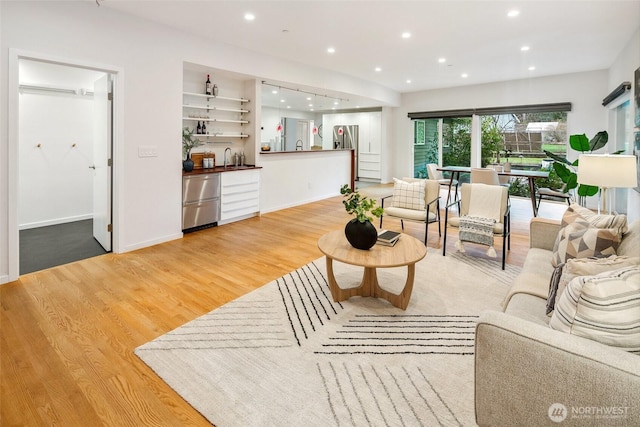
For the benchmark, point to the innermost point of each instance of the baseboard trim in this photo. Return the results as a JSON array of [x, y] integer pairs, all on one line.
[[56, 221], [299, 203], [146, 244]]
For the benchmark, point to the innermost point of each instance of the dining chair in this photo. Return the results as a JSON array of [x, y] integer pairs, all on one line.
[[484, 176], [477, 201], [550, 194], [436, 175], [504, 180], [415, 200]]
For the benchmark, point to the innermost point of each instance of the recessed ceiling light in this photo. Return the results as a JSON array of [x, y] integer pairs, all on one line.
[[336, 103], [274, 91], [408, 81], [525, 48], [288, 106], [406, 35], [308, 98], [331, 50], [249, 16], [532, 68], [282, 100], [464, 75], [310, 105], [378, 69], [513, 13], [442, 60]]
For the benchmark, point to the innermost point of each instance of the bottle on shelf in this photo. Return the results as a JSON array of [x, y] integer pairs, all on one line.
[[207, 86], [203, 129], [215, 90], [199, 128]]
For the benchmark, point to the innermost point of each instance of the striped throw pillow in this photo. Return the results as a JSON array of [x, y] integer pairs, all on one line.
[[603, 308], [408, 195], [617, 221]]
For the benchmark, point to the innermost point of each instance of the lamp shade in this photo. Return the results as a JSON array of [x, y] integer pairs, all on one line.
[[607, 171]]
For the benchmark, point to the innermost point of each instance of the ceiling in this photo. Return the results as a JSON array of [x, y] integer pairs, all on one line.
[[476, 38]]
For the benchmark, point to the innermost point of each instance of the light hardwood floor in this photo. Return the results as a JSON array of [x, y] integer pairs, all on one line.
[[68, 333]]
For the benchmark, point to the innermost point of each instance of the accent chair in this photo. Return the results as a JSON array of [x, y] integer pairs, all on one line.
[[473, 204], [407, 203]]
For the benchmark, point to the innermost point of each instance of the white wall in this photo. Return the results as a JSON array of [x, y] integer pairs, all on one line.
[[56, 184], [293, 178], [622, 70], [151, 59]]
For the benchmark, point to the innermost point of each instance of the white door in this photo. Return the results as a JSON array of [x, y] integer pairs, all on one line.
[[102, 162]]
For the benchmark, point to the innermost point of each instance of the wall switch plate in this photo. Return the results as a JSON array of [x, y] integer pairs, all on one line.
[[147, 151]]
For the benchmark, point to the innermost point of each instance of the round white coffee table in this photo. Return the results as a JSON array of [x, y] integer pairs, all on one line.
[[407, 251]]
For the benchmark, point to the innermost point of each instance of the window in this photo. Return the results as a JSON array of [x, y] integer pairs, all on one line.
[[522, 138], [519, 135]]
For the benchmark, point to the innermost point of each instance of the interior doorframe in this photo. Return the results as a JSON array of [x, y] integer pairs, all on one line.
[[618, 130], [117, 154]]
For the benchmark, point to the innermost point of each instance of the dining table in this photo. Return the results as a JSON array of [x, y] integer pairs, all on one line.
[[531, 176]]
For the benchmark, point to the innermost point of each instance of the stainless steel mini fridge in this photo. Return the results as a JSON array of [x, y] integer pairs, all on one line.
[[200, 200]]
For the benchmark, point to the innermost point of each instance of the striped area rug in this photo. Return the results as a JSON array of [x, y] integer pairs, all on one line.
[[287, 355]]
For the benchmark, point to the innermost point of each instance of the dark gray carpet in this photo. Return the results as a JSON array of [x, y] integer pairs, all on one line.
[[47, 247]]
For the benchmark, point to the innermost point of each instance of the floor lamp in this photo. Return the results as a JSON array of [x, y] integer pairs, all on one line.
[[607, 171]]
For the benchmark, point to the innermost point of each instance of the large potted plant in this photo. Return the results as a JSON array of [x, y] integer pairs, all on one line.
[[189, 142], [360, 232], [567, 171]]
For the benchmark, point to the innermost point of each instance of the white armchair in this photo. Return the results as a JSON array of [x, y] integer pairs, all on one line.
[[469, 207], [415, 200]]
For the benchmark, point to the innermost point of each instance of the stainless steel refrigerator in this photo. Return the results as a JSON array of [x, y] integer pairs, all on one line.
[[345, 136]]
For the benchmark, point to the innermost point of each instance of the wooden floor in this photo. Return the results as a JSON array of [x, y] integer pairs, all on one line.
[[69, 332]]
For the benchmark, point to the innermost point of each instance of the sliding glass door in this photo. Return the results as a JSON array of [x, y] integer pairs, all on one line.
[[426, 145], [444, 141], [456, 141]]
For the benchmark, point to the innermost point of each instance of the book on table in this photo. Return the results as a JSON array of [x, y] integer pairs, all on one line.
[[383, 243], [388, 237]]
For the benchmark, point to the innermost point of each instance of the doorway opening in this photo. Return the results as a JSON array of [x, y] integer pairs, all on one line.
[[64, 185]]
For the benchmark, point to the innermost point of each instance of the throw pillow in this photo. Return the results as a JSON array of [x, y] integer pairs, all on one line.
[[602, 308], [408, 195], [591, 266], [553, 288], [579, 240], [599, 220], [575, 267]]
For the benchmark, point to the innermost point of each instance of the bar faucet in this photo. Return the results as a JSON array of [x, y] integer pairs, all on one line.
[[225, 156]]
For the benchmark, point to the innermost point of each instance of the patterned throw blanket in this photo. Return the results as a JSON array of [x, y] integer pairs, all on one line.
[[476, 230]]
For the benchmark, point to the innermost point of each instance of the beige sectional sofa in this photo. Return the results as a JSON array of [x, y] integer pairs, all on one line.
[[527, 373]]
